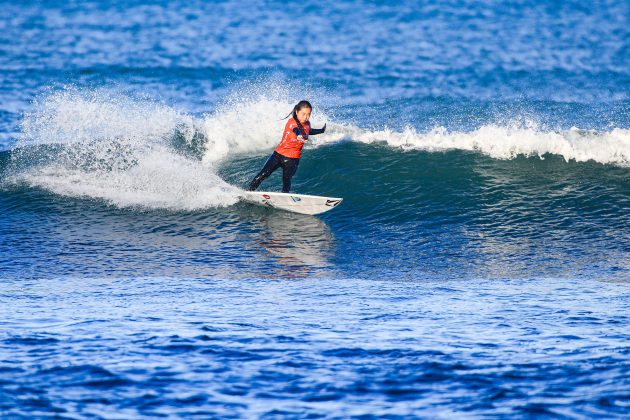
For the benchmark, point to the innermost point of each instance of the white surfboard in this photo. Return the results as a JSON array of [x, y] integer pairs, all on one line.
[[297, 203]]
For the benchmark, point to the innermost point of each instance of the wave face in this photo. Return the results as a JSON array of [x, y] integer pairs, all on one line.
[[477, 267]]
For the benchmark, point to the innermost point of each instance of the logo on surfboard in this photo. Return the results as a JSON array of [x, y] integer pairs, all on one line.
[[332, 203]]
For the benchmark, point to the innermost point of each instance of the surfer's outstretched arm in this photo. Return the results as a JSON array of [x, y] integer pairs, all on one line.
[[316, 131], [312, 131]]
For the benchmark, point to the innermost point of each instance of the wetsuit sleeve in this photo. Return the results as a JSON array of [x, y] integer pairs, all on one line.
[[298, 133], [316, 131]]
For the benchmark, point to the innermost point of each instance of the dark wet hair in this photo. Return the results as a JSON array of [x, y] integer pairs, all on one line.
[[300, 105]]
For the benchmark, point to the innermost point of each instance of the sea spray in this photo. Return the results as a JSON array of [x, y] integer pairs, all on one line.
[[252, 117], [98, 144]]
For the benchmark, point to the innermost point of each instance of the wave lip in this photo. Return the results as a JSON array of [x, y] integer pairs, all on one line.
[[500, 142]]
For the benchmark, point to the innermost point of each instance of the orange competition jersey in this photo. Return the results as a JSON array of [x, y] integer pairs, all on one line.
[[290, 146]]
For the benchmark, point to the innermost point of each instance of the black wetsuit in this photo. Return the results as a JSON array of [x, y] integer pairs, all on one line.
[[289, 165]]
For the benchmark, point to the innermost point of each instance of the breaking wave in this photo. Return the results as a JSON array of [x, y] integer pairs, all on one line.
[[134, 152]]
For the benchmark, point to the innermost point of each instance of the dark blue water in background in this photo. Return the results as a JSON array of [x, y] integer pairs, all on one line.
[[478, 265]]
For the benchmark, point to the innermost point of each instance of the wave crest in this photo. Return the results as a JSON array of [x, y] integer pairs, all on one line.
[[499, 142]]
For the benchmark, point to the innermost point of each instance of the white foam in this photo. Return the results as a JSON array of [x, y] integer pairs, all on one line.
[[160, 180], [499, 142], [118, 150]]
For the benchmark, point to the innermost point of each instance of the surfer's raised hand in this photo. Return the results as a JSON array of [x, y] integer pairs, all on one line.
[[315, 131]]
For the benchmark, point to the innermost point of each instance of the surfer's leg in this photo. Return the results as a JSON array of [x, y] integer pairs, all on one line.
[[289, 167], [273, 163]]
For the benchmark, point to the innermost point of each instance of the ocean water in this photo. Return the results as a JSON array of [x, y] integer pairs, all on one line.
[[479, 265]]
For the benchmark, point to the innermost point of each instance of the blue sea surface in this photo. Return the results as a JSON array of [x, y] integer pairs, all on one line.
[[479, 265]]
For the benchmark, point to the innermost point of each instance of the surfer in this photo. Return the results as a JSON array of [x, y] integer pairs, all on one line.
[[287, 154]]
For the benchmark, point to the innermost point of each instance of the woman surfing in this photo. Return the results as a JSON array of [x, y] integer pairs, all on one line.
[[287, 153]]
